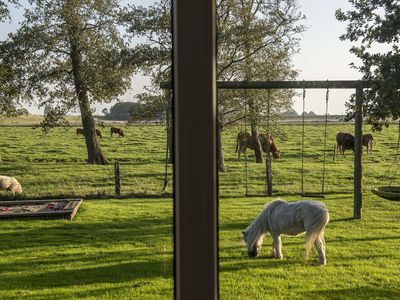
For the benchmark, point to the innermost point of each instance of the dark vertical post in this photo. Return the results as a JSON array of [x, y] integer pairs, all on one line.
[[117, 179], [358, 152], [268, 166], [196, 273]]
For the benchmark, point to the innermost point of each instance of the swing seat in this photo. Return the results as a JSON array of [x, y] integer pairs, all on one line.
[[388, 192]]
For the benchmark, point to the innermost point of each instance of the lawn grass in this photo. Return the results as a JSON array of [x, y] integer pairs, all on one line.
[[122, 248], [113, 249]]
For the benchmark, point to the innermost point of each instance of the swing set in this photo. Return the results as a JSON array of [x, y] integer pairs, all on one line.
[[268, 163], [389, 192]]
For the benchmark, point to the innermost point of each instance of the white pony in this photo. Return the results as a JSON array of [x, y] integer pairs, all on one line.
[[291, 218], [10, 184]]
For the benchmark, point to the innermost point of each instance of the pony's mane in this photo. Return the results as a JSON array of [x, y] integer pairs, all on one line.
[[259, 227]]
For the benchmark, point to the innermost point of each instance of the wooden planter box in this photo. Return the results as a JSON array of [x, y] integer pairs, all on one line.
[[63, 208]]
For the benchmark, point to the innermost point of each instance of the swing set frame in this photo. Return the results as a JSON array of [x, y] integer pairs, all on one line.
[[357, 85]]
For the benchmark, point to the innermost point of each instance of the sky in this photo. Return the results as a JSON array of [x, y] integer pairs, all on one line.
[[322, 56]]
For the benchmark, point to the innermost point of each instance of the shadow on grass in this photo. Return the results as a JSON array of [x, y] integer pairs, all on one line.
[[119, 272], [74, 234], [354, 293], [71, 254]]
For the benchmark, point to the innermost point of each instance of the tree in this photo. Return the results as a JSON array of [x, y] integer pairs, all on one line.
[[70, 54], [105, 112], [251, 35], [4, 10], [123, 110], [370, 25], [8, 89]]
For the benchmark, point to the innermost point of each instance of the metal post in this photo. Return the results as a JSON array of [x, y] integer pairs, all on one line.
[[358, 152]]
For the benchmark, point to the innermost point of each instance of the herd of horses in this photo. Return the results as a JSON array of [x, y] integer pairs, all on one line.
[[113, 130], [344, 141]]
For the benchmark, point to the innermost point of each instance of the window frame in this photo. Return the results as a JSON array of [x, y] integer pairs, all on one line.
[[195, 170]]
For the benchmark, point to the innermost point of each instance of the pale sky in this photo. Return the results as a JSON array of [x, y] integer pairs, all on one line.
[[322, 55]]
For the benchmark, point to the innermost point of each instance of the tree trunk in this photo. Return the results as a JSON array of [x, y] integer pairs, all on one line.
[[254, 130], [221, 161], [256, 144], [95, 155]]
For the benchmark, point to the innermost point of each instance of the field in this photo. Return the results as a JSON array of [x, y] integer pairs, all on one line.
[[122, 248]]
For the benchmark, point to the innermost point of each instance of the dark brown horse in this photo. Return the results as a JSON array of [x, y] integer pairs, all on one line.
[[118, 131]]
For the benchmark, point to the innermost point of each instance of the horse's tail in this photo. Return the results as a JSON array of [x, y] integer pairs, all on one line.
[[316, 233]]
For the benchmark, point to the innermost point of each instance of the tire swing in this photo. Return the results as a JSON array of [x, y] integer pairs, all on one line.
[[322, 193], [391, 192]]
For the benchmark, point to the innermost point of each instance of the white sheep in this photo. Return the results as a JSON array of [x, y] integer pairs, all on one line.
[[10, 184]]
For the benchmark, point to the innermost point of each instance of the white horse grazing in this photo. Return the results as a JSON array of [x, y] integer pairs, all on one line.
[[291, 218], [10, 184]]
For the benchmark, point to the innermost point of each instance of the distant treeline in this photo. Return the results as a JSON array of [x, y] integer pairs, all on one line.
[[122, 111]]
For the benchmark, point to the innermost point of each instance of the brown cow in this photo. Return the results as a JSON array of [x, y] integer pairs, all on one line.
[[368, 141], [81, 131], [118, 131], [244, 141]]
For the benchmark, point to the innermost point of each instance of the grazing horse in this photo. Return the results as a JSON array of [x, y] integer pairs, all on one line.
[[291, 218], [244, 140], [98, 133], [368, 141], [81, 131], [10, 184], [118, 131], [344, 141]]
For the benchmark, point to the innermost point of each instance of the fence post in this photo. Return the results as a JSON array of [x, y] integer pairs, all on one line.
[[358, 152], [117, 179]]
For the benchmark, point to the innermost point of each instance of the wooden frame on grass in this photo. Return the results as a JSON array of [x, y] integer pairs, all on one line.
[[67, 212]]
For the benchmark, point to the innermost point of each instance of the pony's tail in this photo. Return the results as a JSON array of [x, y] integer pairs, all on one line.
[[316, 233]]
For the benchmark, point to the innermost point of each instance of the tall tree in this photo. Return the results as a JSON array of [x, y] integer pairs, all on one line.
[[8, 88], [375, 26], [249, 33], [4, 9], [256, 40], [70, 54]]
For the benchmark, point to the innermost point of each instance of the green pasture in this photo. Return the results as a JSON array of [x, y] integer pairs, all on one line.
[[123, 248]]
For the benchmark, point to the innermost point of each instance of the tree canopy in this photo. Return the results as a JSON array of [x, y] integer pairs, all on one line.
[[373, 27], [255, 42], [70, 54]]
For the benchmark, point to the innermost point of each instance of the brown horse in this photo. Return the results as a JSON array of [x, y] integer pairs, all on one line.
[[244, 141], [81, 131], [118, 131], [368, 141]]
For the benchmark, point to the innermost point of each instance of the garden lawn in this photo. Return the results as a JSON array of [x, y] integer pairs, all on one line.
[[113, 249], [123, 248]]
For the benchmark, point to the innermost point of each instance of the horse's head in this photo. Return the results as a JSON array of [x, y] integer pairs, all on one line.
[[276, 154], [253, 249]]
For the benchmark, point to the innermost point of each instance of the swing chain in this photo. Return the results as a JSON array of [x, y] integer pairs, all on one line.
[[302, 141]]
